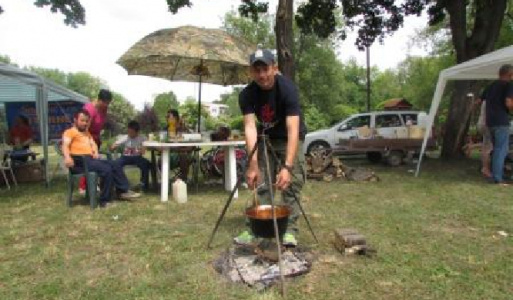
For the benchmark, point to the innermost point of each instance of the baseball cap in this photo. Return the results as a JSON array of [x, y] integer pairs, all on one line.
[[262, 55]]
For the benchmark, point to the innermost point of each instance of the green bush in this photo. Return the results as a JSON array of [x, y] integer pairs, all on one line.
[[314, 119], [237, 123]]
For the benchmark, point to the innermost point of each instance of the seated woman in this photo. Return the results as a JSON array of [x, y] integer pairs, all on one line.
[[20, 136], [180, 157]]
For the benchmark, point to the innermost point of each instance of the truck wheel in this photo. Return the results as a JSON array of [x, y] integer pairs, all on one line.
[[374, 157], [318, 145], [395, 158]]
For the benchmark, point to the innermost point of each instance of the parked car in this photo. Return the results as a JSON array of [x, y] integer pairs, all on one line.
[[387, 124]]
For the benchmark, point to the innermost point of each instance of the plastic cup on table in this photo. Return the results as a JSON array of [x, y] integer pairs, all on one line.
[[205, 136], [235, 134], [162, 136]]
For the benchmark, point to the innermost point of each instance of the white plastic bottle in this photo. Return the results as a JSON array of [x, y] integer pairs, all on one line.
[[180, 191]]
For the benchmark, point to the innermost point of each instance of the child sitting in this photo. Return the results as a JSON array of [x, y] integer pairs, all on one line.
[[133, 152]]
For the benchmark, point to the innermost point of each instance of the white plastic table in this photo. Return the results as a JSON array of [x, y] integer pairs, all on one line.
[[230, 166]]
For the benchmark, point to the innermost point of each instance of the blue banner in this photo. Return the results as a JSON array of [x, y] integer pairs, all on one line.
[[60, 116]]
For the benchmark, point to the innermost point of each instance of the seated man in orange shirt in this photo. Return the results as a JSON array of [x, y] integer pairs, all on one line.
[[20, 136], [78, 147]]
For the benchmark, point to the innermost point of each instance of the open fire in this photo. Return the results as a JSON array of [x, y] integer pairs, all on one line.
[[257, 265]]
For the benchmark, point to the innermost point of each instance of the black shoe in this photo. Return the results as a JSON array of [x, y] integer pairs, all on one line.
[[105, 204], [129, 195], [503, 182]]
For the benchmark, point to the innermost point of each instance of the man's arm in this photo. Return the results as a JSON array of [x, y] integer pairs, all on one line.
[[509, 103], [250, 132], [143, 149], [27, 142], [95, 153], [292, 139], [285, 174], [66, 142], [120, 141], [292, 122], [509, 96], [114, 146]]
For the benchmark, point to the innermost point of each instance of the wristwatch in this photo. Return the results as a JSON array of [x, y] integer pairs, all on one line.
[[288, 168]]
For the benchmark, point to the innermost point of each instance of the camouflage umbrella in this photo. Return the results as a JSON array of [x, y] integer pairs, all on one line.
[[190, 54]]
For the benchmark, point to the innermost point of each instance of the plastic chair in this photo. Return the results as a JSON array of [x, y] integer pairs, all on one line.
[[92, 183], [174, 165], [5, 165], [57, 144]]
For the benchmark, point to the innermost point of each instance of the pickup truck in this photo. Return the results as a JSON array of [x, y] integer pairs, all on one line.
[[392, 151], [393, 135]]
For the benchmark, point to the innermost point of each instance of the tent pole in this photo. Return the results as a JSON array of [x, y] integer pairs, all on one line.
[[46, 130], [40, 110], [437, 97]]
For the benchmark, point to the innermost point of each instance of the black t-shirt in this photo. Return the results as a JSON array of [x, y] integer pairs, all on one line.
[[497, 114], [273, 106]]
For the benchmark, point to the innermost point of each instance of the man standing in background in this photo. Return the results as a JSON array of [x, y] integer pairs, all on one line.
[[499, 101]]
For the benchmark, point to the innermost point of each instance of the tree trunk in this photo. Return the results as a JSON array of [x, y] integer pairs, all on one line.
[[487, 23], [285, 38], [457, 123]]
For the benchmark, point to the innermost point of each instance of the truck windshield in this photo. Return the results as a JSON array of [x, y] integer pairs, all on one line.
[[355, 122]]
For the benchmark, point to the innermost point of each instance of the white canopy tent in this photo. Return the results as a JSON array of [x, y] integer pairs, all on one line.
[[17, 85], [485, 67]]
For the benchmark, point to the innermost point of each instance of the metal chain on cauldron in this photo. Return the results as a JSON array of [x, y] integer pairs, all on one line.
[[255, 197]]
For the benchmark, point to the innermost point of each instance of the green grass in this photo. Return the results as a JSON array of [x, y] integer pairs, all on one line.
[[435, 236]]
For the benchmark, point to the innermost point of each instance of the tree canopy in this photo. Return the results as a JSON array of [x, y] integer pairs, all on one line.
[[121, 111], [5, 59], [474, 24], [474, 27], [72, 10]]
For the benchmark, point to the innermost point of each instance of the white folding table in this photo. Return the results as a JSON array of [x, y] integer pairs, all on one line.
[[230, 166]]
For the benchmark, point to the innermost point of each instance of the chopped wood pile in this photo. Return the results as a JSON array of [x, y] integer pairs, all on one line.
[[322, 165], [348, 241]]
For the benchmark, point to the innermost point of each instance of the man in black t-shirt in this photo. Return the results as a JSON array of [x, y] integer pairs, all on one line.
[[272, 101], [499, 101]]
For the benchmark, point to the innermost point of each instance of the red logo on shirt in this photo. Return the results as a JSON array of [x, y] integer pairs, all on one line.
[[267, 114]]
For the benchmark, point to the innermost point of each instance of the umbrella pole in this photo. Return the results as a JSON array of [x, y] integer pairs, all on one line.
[[199, 98], [197, 155]]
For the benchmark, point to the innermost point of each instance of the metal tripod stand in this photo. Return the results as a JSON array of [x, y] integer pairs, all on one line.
[[267, 147]]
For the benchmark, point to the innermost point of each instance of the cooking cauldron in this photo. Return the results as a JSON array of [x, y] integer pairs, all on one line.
[[261, 220]]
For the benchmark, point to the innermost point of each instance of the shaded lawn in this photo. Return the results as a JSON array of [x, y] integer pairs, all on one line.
[[435, 236]]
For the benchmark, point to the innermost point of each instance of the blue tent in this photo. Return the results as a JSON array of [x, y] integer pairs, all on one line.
[[22, 86]]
